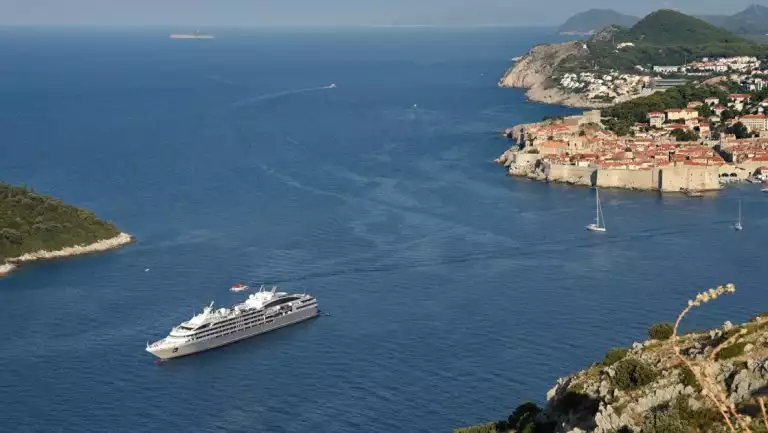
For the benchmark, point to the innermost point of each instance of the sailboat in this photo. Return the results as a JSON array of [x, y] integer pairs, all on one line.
[[738, 227], [597, 226]]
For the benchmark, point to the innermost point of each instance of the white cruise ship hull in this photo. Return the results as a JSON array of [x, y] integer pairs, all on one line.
[[168, 350]]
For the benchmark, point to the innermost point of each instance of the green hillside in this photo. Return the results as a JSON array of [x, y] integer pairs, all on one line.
[[665, 37], [31, 222], [667, 27]]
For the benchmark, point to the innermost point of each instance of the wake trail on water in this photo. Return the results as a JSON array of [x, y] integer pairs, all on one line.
[[511, 250], [276, 95]]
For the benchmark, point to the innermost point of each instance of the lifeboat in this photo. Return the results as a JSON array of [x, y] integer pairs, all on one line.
[[239, 287]]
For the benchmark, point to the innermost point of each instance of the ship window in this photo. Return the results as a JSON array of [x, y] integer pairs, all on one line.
[[280, 301]]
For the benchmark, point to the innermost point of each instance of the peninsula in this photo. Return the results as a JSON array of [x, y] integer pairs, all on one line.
[[706, 381], [38, 227], [690, 126], [618, 64]]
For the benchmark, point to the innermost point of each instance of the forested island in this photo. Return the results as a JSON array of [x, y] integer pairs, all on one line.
[[37, 227], [673, 382]]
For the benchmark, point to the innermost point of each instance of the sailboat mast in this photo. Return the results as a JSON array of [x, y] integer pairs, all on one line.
[[597, 207], [739, 212]]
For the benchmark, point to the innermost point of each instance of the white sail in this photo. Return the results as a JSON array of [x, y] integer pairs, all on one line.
[[599, 225]]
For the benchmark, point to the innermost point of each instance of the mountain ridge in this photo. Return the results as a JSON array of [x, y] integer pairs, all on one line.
[[593, 20], [751, 21]]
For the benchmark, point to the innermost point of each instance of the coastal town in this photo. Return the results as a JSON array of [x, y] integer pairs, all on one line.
[[679, 149], [613, 86]]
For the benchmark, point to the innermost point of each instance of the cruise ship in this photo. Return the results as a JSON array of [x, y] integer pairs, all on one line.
[[261, 312]]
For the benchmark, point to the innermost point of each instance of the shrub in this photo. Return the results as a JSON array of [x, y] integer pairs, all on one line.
[[633, 373], [663, 421], [485, 428], [615, 355], [687, 378], [701, 419], [577, 402], [524, 415], [731, 351], [661, 331]]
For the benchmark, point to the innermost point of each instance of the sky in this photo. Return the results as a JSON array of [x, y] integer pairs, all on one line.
[[216, 13]]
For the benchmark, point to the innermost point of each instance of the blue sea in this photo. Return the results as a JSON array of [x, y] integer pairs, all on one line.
[[455, 292]]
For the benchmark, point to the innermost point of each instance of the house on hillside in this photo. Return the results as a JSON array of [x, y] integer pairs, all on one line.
[[681, 113], [656, 119], [755, 122], [712, 101]]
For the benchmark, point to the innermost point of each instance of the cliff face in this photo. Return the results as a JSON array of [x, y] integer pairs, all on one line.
[[534, 71]]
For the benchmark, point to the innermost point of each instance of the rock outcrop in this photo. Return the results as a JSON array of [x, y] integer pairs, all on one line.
[[596, 400], [534, 71]]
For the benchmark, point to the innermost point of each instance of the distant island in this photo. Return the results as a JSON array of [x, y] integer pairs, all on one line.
[[593, 20], [616, 64], [38, 227], [195, 35], [705, 381]]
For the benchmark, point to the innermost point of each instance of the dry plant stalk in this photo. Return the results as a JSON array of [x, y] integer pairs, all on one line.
[[710, 386], [762, 409]]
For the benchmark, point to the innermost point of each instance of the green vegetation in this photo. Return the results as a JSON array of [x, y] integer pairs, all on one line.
[[31, 222], [661, 331], [739, 130], [633, 373], [687, 378], [731, 351], [615, 355], [522, 420], [678, 417], [668, 27], [685, 135], [664, 37], [621, 117], [664, 421], [485, 428]]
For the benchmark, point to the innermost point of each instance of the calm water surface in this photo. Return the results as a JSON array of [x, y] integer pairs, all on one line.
[[455, 292]]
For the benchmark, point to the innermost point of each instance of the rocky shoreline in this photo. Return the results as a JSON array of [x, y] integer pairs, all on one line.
[[534, 70], [672, 382], [103, 245]]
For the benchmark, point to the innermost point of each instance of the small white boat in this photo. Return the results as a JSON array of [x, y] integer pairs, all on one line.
[[597, 226], [738, 227], [239, 287], [332, 86], [765, 189]]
